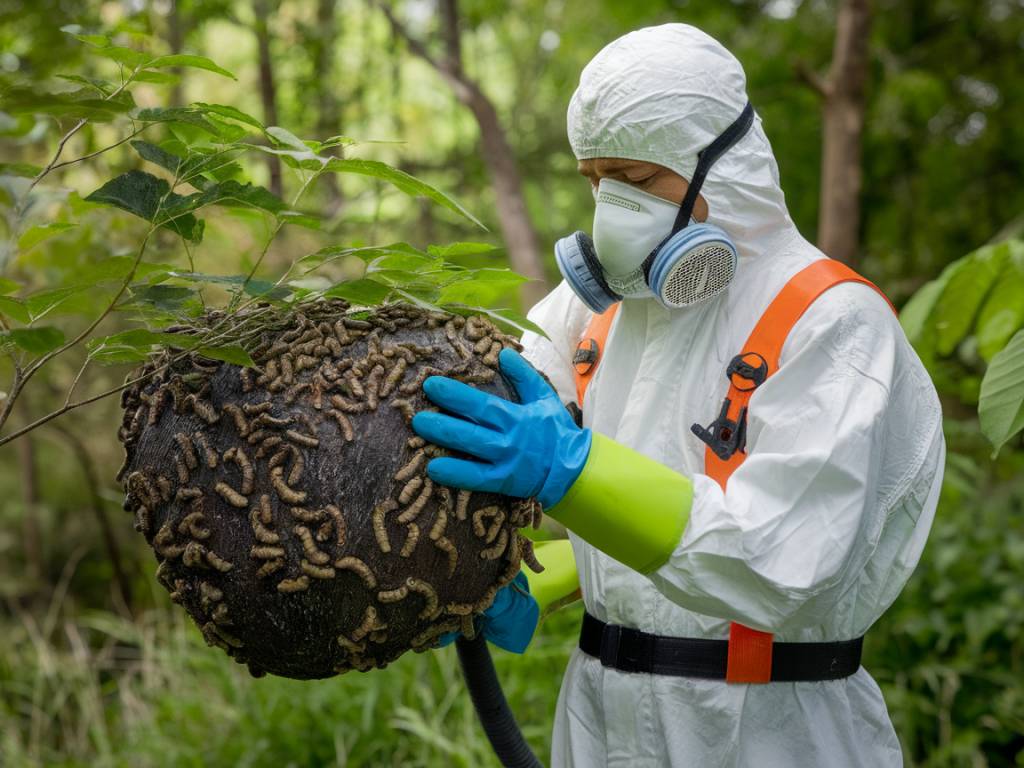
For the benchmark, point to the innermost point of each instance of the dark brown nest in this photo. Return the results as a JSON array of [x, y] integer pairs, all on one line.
[[288, 504]]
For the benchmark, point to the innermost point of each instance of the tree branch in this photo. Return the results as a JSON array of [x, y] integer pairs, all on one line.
[[813, 80], [454, 77]]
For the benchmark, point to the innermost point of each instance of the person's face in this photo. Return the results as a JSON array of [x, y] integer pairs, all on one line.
[[650, 177]]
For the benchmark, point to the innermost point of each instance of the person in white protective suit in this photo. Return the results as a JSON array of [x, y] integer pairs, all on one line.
[[831, 485]]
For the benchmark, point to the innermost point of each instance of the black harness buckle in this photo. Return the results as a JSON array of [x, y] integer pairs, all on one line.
[[725, 436]]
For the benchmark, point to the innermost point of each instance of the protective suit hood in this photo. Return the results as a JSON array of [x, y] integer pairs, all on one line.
[[662, 94]]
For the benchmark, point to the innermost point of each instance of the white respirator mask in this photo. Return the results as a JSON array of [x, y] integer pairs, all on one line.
[[646, 246]]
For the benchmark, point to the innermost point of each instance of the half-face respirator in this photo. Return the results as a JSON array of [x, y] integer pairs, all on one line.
[[692, 263]]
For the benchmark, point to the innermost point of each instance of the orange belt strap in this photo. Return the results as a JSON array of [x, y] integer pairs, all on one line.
[[750, 651]]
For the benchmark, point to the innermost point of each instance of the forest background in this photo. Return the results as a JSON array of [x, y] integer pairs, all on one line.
[[896, 126]]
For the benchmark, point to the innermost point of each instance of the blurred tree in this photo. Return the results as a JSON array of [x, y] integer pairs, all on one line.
[[263, 10], [516, 225], [843, 98]]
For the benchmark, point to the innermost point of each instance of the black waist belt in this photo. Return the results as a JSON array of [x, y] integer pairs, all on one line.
[[630, 650]]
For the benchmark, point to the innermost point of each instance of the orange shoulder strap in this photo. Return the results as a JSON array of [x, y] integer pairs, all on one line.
[[588, 351], [750, 650], [759, 358]]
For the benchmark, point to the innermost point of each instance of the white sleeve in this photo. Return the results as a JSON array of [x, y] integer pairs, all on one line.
[[563, 318], [845, 437]]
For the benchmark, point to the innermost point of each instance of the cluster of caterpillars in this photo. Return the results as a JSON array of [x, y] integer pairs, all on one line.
[[308, 376]]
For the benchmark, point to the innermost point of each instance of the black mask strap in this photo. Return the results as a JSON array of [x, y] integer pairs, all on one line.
[[706, 158]]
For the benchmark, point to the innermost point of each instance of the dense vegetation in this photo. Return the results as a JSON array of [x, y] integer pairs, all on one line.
[[181, 191]]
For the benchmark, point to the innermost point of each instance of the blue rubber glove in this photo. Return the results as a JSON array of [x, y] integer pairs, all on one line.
[[510, 621], [528, 449]]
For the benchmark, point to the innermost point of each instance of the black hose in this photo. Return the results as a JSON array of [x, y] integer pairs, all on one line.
[[491, 707]]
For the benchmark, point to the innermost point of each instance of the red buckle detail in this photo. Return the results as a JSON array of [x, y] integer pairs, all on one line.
[[750, 655]]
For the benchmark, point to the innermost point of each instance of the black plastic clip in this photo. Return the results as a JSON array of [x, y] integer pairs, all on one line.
[[586, 355], [726, 436], [723, 435], [755, 374]]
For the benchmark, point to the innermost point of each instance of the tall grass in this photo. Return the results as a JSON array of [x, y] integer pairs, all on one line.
[[103, 691]]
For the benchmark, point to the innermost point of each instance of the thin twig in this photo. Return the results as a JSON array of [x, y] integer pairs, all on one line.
[[98, 152]]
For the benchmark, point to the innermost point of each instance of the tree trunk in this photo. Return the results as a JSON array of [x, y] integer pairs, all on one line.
[[516, 227], [328, 119], [175, 40], [841, 162], [513, 217], [268, 88]]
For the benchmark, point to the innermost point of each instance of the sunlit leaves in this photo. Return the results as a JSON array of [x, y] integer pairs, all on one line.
[[186, 115], [979, 294], [976, 307], [407, 183], [72, 105], [188, 60], [1001, 406]]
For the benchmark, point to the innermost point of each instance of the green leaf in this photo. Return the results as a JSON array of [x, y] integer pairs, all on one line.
[[157, 155], [150, 198], [188, 60], [135, 345], [1001, 406], [287, 138], [70, 105], [1003, 312], [460, 249], [122, 55], [14, 309], [915, 313], [186, 115], [164, 297], [229, 112], [8, 286], [230, 193], [968, 283], [78, 32], [22, 170], [333, 252], [480, 286], [364, 292], [231, 354], [42, 303], [104, 87], [160, 78], [37, 341], [408, 184], [40, 232]]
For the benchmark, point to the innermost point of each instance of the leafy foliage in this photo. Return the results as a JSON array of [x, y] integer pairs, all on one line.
[[196, 169], [976, 308]]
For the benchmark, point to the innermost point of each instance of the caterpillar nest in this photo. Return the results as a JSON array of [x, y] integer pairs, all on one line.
[[288, 505]]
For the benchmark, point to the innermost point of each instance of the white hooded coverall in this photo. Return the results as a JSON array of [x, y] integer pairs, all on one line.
[[821, 526]]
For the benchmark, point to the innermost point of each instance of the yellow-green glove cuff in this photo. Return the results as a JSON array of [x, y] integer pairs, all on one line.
[[627, 505], [559, 583]]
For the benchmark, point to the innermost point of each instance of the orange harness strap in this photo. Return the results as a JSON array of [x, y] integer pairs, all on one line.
[[588, 351], [750, 650]]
